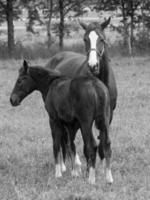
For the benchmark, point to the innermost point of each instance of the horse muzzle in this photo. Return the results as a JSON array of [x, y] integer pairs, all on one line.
[[95, 69], [14, 100]]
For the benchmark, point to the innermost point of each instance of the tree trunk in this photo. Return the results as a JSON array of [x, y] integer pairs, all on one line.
[[126, 35], [132, 23], [10, 27], [50, 11], [143, 21], [61, 24]]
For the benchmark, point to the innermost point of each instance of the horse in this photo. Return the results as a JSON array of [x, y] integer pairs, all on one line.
[[96, 60], [76, 102]]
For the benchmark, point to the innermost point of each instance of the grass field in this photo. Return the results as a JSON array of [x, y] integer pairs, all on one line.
[[26, 158]]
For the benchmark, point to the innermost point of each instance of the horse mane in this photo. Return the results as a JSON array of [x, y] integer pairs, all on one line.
[[37, 72], [44, 71]]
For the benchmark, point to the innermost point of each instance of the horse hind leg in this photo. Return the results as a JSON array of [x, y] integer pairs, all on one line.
[[89, 151], [63, 156], [76, 163], [57, 134], [104, 148]]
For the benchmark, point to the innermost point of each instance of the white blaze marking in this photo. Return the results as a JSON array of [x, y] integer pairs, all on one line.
[[93, 55]]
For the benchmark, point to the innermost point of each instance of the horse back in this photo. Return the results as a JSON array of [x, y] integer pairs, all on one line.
[[68, 63], [90, 97]]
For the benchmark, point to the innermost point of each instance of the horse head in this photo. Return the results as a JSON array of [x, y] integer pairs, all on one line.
[[30, 79], [94, 39], [23, 86]]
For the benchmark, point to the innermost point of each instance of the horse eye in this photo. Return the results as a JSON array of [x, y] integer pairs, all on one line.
[[85, 39], [19, 81]]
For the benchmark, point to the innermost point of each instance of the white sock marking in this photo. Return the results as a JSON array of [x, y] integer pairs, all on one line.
[[74, 173], [77, 160], [93, 55], [58, 171], [63, 167], [95, 132], [109, 178], [92, 175], [103, 166]]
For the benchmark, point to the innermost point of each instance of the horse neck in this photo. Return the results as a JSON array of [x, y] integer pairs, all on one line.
[[43, 82], [104, 69], [43, 86]]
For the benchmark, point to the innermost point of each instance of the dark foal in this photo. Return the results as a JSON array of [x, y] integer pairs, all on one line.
[[71, 104]]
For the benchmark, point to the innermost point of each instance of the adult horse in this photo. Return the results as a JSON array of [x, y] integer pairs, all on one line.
[[80, 102], [96, 61]]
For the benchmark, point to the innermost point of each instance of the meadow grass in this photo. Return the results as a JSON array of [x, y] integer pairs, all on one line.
[[26, 157]]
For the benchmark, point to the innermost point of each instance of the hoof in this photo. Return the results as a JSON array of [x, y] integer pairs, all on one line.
[[58, 173], [63, 167], [103, 166], [109, 178], [91, 181], [74, 173]]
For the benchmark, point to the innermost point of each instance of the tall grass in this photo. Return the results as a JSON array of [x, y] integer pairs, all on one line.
[[37, 50], [40, 50]]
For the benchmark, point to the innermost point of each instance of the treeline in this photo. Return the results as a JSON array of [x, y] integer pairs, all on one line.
[[133, 15]]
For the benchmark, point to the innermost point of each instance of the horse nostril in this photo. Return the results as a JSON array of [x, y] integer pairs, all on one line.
[[14, 100], [95, 67]]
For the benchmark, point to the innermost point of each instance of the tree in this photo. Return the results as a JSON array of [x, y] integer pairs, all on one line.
[[64, 7], [9, 11], [33, 8], [50, 12], [129, 16]]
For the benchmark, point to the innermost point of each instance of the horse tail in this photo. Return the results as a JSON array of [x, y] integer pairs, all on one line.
[[66, 144]]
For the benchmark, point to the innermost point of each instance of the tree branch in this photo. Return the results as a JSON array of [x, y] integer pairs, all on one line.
[[70, 6], [3, 5]]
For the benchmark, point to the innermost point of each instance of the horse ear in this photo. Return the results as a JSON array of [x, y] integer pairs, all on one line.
[[105, 23], [84, 26], [25, 65]]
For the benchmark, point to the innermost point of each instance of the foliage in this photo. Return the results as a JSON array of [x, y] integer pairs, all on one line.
[[133, 15], [3, 9]]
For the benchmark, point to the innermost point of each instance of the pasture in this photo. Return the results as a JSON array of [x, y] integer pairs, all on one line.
[[26, 157]]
